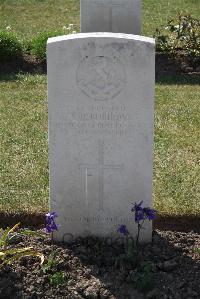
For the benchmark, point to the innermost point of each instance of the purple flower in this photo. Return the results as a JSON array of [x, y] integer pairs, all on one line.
[[123, 230], [150, 213], [143, 213], [50, 222], [139, 212]]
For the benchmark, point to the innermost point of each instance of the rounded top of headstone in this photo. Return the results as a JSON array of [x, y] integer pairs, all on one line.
[[76, 36]]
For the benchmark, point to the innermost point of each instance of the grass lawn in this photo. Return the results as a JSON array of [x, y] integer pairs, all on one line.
[[24, 142], [177, 148], [24, 161], [27, 17]]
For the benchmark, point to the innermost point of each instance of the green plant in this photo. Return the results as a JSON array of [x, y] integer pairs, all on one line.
[[9, 255], [51, 263], [143, 279], [57, 278], [10, 46], [180, 34], [39, 43], [129, 258], [50, 267]]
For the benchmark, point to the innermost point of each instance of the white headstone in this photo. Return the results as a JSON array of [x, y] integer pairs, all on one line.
[[122, 16], [100, 97]]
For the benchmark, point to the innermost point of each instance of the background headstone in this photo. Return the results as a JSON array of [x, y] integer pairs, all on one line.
[[122, 16], [100, 97]]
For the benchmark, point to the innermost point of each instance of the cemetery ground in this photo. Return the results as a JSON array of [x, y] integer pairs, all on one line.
[[89, 265], [24, 145], [45, 15], [87, 268]]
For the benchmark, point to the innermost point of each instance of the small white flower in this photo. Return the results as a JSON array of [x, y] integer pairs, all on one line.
[[64, 28], [8, 27], [70, 26]]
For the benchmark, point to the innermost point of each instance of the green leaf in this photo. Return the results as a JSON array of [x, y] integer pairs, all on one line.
[[2, 255], [28, 232], [18, 250], [57, 278], [21, 253], [3, 241], [51, 262], [4, 237]]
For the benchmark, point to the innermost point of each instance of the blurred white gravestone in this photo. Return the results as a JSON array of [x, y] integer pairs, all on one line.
[[122, 16], [100, 99]]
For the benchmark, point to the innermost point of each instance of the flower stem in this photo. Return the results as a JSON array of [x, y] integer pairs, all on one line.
[[138, 234]]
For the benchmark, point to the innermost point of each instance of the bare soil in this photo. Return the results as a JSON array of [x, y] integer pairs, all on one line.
[[90, 271]]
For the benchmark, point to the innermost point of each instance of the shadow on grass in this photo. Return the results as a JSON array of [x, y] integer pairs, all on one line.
[[10, 70], [178, 79], [36, 220], [163, 79], [5, 77], [178, 223], [165, 222], [168, 70]]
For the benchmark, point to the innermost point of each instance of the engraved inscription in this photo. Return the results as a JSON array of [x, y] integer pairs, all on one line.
[[98, 219], [101, 78], [101, 166], [112, 120]]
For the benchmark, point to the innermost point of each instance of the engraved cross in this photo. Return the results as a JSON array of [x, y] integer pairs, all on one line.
[[101, 167]]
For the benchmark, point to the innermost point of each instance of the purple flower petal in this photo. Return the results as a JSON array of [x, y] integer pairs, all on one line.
[[50, 222], [143, 213], [123, 230], [150, 213]]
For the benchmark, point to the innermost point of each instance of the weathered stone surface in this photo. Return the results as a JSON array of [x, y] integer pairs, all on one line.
[[122, 16], [100, 94]]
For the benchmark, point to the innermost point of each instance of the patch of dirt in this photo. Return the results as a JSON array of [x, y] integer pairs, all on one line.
[[89, 269]]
